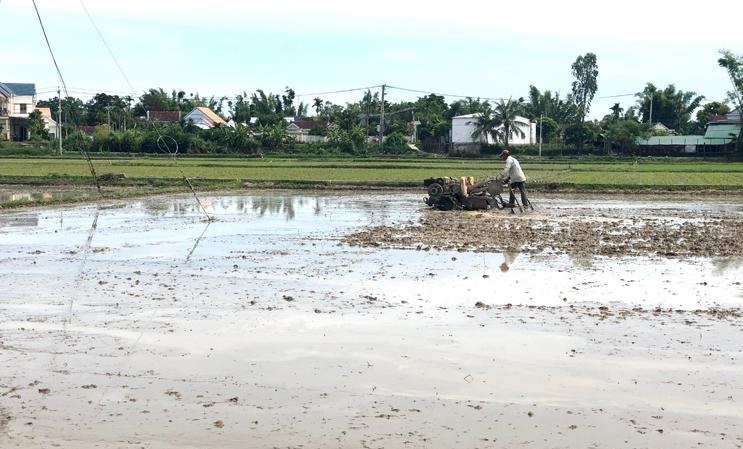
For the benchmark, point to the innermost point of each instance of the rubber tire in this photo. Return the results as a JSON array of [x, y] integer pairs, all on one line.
[[445, 203]]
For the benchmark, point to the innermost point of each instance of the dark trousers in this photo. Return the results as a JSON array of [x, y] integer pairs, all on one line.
[[522, 188]]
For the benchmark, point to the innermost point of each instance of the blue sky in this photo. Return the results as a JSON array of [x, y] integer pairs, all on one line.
[[482, 49]]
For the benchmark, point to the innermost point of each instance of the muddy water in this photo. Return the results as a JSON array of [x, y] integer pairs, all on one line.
[[265, 329], [13, 195]]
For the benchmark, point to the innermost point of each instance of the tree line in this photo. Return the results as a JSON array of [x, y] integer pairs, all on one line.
[[350, 128]]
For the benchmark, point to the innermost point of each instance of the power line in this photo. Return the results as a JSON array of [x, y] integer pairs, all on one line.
[[162, 142], [46, 38], [617, 96], [338, 91], [443, 94], [105, 44]]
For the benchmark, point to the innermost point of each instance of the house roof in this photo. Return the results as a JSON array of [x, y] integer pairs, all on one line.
[[20, 88], [731, 117], [309, 124], [211, 115], [661, 127], [722, 131], [164, 116], [45, 112]]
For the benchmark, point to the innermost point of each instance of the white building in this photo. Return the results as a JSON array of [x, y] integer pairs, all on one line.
[[204, 118], [463, 126], [49, 123], [17, 100]]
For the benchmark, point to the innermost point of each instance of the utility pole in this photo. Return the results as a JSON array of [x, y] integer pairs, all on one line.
[[381, 120], [651, 110], [59, 121], [108, 112], [541, 130]]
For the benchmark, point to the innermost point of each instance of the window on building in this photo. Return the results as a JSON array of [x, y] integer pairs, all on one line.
[[23, 108]]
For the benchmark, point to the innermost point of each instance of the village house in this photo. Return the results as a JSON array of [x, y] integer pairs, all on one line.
[[17, 101], [49, 123], [463, 127], [163, 116], [720, 136], [204, 118], [300, 130]]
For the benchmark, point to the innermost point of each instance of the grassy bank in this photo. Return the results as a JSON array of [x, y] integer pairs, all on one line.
[[145, 175]]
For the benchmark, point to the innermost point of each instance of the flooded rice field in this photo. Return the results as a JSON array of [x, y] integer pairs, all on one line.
[[301, 320]]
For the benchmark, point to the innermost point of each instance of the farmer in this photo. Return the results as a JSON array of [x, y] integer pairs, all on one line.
[[515, 177]]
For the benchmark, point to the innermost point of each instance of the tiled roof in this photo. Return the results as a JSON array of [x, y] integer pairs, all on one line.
[[45, 112], [164, 116], [309, 124], [211, 115]]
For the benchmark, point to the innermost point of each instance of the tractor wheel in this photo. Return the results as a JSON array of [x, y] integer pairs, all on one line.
[[435, 190], [445, 203]]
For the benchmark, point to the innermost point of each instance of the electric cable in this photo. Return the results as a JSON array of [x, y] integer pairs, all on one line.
[[338, 91], [162, 143], [443, 94]]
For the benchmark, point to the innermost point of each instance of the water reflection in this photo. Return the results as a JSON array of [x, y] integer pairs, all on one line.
[[19, 220], [582, 259], [723, 264], [276, 206], [288, 206], [30, 196], [509, 257]]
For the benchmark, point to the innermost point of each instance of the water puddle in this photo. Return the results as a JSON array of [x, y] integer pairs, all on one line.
[[136, 321], [293, 242]]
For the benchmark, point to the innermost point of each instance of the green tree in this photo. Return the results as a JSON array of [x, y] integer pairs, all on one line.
[[548, 129], [485, 125], [563, 112], [734, 66], [287, 102], [705, 114], [317, 104], [673, 108], [155, 100], [466, 106], [431, 111], [240, 108], [508, 123], [36, 126], [73, 112], [267, 108], [621, 135], [585, 71]]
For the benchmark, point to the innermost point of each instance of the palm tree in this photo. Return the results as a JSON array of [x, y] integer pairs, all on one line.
[[506, 115], [317, 103], [485, 124]]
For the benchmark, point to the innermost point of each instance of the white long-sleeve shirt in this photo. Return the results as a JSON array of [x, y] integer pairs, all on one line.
[[513, 170]]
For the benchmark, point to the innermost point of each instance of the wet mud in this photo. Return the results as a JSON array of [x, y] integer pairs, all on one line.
[[136, 324], [592, 230]]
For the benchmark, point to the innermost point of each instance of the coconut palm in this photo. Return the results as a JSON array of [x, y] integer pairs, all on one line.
[[508, 122], [485, 124], [317, 103]]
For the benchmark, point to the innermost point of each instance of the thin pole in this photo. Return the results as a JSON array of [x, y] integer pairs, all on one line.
[[59, 121], [541, 130], [381, 120]]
